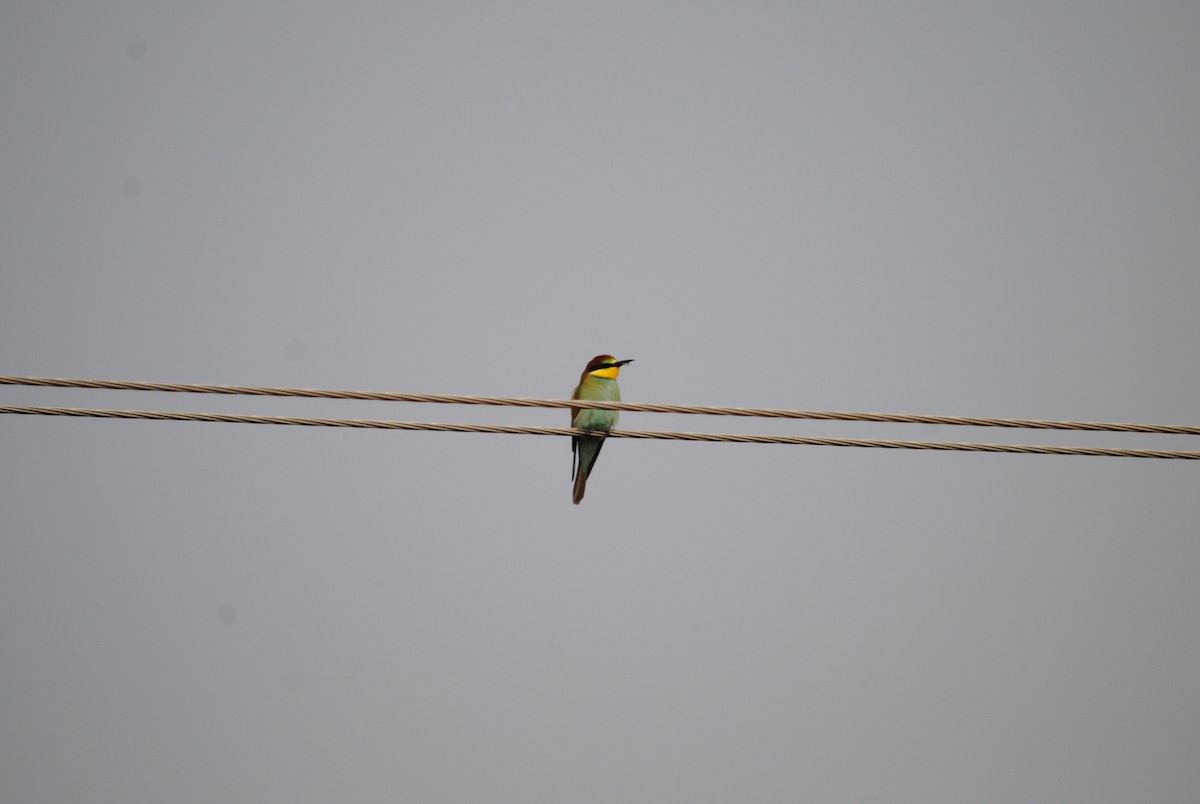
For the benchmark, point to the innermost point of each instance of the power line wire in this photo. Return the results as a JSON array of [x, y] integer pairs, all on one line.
[[567, 431], [640, 407]]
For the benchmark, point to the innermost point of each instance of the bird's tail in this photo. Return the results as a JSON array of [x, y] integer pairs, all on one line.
[[587, 450], [580, 487]]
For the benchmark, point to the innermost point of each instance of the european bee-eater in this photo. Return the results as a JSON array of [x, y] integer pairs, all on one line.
[[599, 382]]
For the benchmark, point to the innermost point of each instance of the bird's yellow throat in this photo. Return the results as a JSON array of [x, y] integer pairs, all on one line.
[[609, 373]]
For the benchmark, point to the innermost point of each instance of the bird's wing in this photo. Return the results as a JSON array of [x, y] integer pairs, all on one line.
[[574, 439], [596, 455]]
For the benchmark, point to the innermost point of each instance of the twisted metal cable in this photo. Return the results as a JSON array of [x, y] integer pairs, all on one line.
[[640, 407], [568, 431]]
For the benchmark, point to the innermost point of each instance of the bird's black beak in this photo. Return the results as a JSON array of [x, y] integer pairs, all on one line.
[[623, 362]]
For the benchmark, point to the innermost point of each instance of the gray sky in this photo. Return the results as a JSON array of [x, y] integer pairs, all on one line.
[[975, 209]]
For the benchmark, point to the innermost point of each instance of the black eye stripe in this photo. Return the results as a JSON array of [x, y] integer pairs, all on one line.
[[613, 364]]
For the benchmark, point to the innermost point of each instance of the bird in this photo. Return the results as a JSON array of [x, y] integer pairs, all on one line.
[[598, 382]]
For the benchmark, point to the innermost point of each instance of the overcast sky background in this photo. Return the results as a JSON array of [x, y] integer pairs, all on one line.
[[980, 209]]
